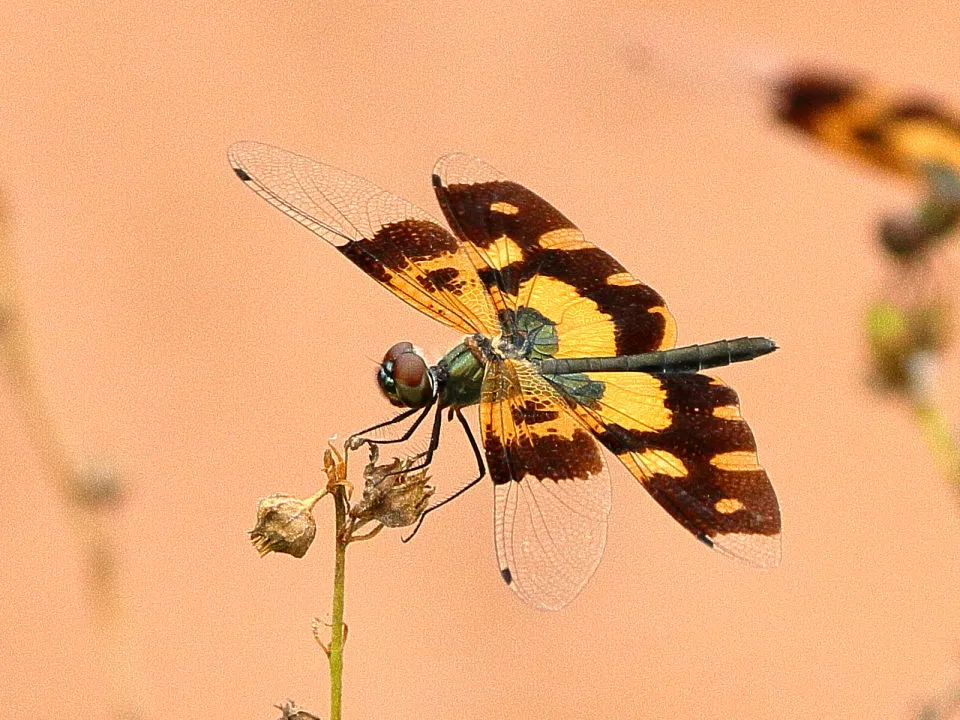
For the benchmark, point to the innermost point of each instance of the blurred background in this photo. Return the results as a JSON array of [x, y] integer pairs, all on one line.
[[189, 336]]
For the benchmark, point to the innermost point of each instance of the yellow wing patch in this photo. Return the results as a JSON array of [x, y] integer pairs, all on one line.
[[501, 253], [634, 402], [622, 279], [737, 460], [727, 412], [504, 208], [582, 329], [563, 239], [728, 506], [661, 462]]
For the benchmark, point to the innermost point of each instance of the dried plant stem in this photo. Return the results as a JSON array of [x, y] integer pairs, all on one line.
[[335, 656], [934, 425]]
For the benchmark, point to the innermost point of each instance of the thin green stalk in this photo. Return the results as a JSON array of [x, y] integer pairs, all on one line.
[[336, 639], [943, 445]]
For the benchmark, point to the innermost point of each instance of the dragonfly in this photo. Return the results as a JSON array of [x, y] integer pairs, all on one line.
[[911, 137], [563, 351]]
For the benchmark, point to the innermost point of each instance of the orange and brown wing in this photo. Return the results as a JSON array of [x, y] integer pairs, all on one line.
[[903, 135], [391, 240], [551, 486], [536, 258], [683, 437]]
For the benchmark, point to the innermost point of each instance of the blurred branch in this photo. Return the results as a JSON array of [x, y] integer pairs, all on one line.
[[90, 495], [945, 708], [933, 423], [908, 332]]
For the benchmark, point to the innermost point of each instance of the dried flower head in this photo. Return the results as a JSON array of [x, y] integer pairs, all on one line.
[[905, 343], [392, 495], [335, 467], [97, 487], [290, 711], [908, 235], [285, 524]]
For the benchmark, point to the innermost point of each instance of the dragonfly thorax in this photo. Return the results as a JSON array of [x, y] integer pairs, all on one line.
[[404, 377]]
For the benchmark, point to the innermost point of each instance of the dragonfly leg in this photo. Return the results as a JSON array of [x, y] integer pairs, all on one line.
[[355, 440], [431, 448], [481, 473]]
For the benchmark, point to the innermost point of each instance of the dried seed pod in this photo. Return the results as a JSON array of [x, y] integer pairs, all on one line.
[[285, 524]]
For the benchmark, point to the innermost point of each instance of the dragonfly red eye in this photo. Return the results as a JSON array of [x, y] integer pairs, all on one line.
[[396, 351], [404, 377], [409, 369], [413, 382]]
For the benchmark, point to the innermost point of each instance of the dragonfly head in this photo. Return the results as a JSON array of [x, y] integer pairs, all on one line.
[[404, 377]]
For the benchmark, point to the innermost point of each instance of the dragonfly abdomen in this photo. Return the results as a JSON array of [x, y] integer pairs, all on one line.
[[687, 359]]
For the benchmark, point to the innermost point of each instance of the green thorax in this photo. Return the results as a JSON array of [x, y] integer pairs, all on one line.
[[461, 376], [534, 338]]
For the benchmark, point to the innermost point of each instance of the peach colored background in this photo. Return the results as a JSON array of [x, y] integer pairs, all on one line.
[[209, 346]]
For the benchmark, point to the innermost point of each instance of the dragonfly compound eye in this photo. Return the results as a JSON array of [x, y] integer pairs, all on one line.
[[412, 378], [396, 351], [404, 377]]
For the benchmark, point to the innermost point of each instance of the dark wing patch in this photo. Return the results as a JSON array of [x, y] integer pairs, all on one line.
[[684, 438], [903, 135], [803, 99], [535, 257], [394, 242], [551, 486]]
